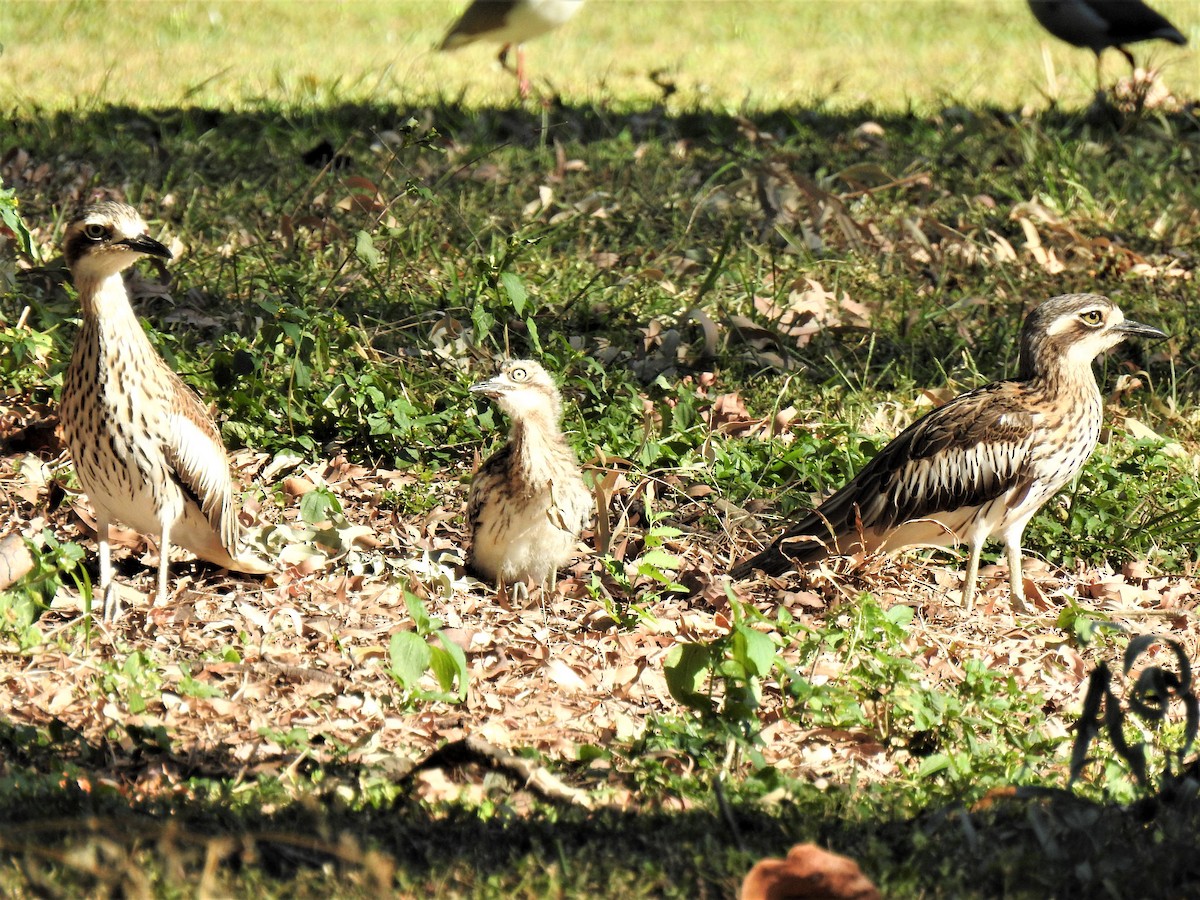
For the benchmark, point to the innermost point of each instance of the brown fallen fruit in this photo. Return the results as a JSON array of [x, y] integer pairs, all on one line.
[[808, 873]]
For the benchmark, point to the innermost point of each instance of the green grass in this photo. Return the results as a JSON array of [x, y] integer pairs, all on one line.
[[762, 55], [343, 313]]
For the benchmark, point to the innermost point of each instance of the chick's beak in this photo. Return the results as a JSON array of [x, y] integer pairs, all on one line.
[[1137, 329], [493, 387], [143, 243]]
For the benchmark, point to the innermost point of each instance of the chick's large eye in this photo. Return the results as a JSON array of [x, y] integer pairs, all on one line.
[[518, 374], [94, 232], [1092, 317]]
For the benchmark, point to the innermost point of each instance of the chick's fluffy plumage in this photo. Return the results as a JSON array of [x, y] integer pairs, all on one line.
[[528, 503]]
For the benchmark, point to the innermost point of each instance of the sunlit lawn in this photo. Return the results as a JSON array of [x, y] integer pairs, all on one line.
[[718, 53]]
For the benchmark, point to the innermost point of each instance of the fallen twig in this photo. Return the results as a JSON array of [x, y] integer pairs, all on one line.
[[473, 750]]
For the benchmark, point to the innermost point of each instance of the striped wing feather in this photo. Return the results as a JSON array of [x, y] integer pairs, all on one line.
[[963, 454], [492, 476], [197, 455]]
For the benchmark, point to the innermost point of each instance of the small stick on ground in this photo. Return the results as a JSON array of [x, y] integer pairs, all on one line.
[[473, 750]]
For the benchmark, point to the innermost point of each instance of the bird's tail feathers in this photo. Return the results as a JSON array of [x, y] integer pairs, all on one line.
[[210, 548], [796, 547]]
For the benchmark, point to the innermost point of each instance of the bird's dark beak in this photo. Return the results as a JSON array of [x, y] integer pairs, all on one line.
[[148, 245], [1137, 329]]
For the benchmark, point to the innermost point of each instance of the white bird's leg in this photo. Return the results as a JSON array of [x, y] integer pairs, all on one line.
[[519, 592], [109, 602], [1016, 578], [549, 588], [105, 553], [164, 563], [968, 593]]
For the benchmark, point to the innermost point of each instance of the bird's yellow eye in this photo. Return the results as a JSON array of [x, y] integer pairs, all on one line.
[[1092, 317], [518, 374], [95, 232]]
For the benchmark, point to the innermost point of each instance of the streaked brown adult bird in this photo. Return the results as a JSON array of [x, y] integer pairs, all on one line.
[[1100, 24], [981, 465], [145, 449], [527, 504], [509, 23]]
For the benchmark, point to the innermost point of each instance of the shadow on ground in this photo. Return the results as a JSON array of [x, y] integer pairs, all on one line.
[[70, 824]]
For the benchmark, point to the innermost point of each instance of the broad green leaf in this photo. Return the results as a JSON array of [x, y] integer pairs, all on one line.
[[409, 657], [758, 649], [687, 670], [659, 559], [931, 765], [450, 667], [316, 505], [364, 249], [515, 289], [416, 609]]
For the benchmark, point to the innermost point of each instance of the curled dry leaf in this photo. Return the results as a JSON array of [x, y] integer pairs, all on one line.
[[782, 422], [295, 486], [810, 309], [728, 414], [15, 560]]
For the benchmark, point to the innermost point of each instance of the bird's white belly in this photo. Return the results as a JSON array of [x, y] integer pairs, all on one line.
[[534, 18], [943, 529]]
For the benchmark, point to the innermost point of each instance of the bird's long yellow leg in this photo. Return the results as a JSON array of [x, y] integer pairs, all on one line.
[[519, 71]]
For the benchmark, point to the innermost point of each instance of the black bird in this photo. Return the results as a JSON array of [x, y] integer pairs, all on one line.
[[1100, 24]]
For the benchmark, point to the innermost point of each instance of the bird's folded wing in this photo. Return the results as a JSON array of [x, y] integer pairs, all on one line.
[[478, 19], [1126, 22], [964, 454], [196, 453]]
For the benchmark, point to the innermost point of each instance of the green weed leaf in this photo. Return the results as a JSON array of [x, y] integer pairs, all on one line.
[[687, 669], [11, 219], [318, 505], [409, 657], [754, 649], [365, 250], [450, 667], [517, 295]]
